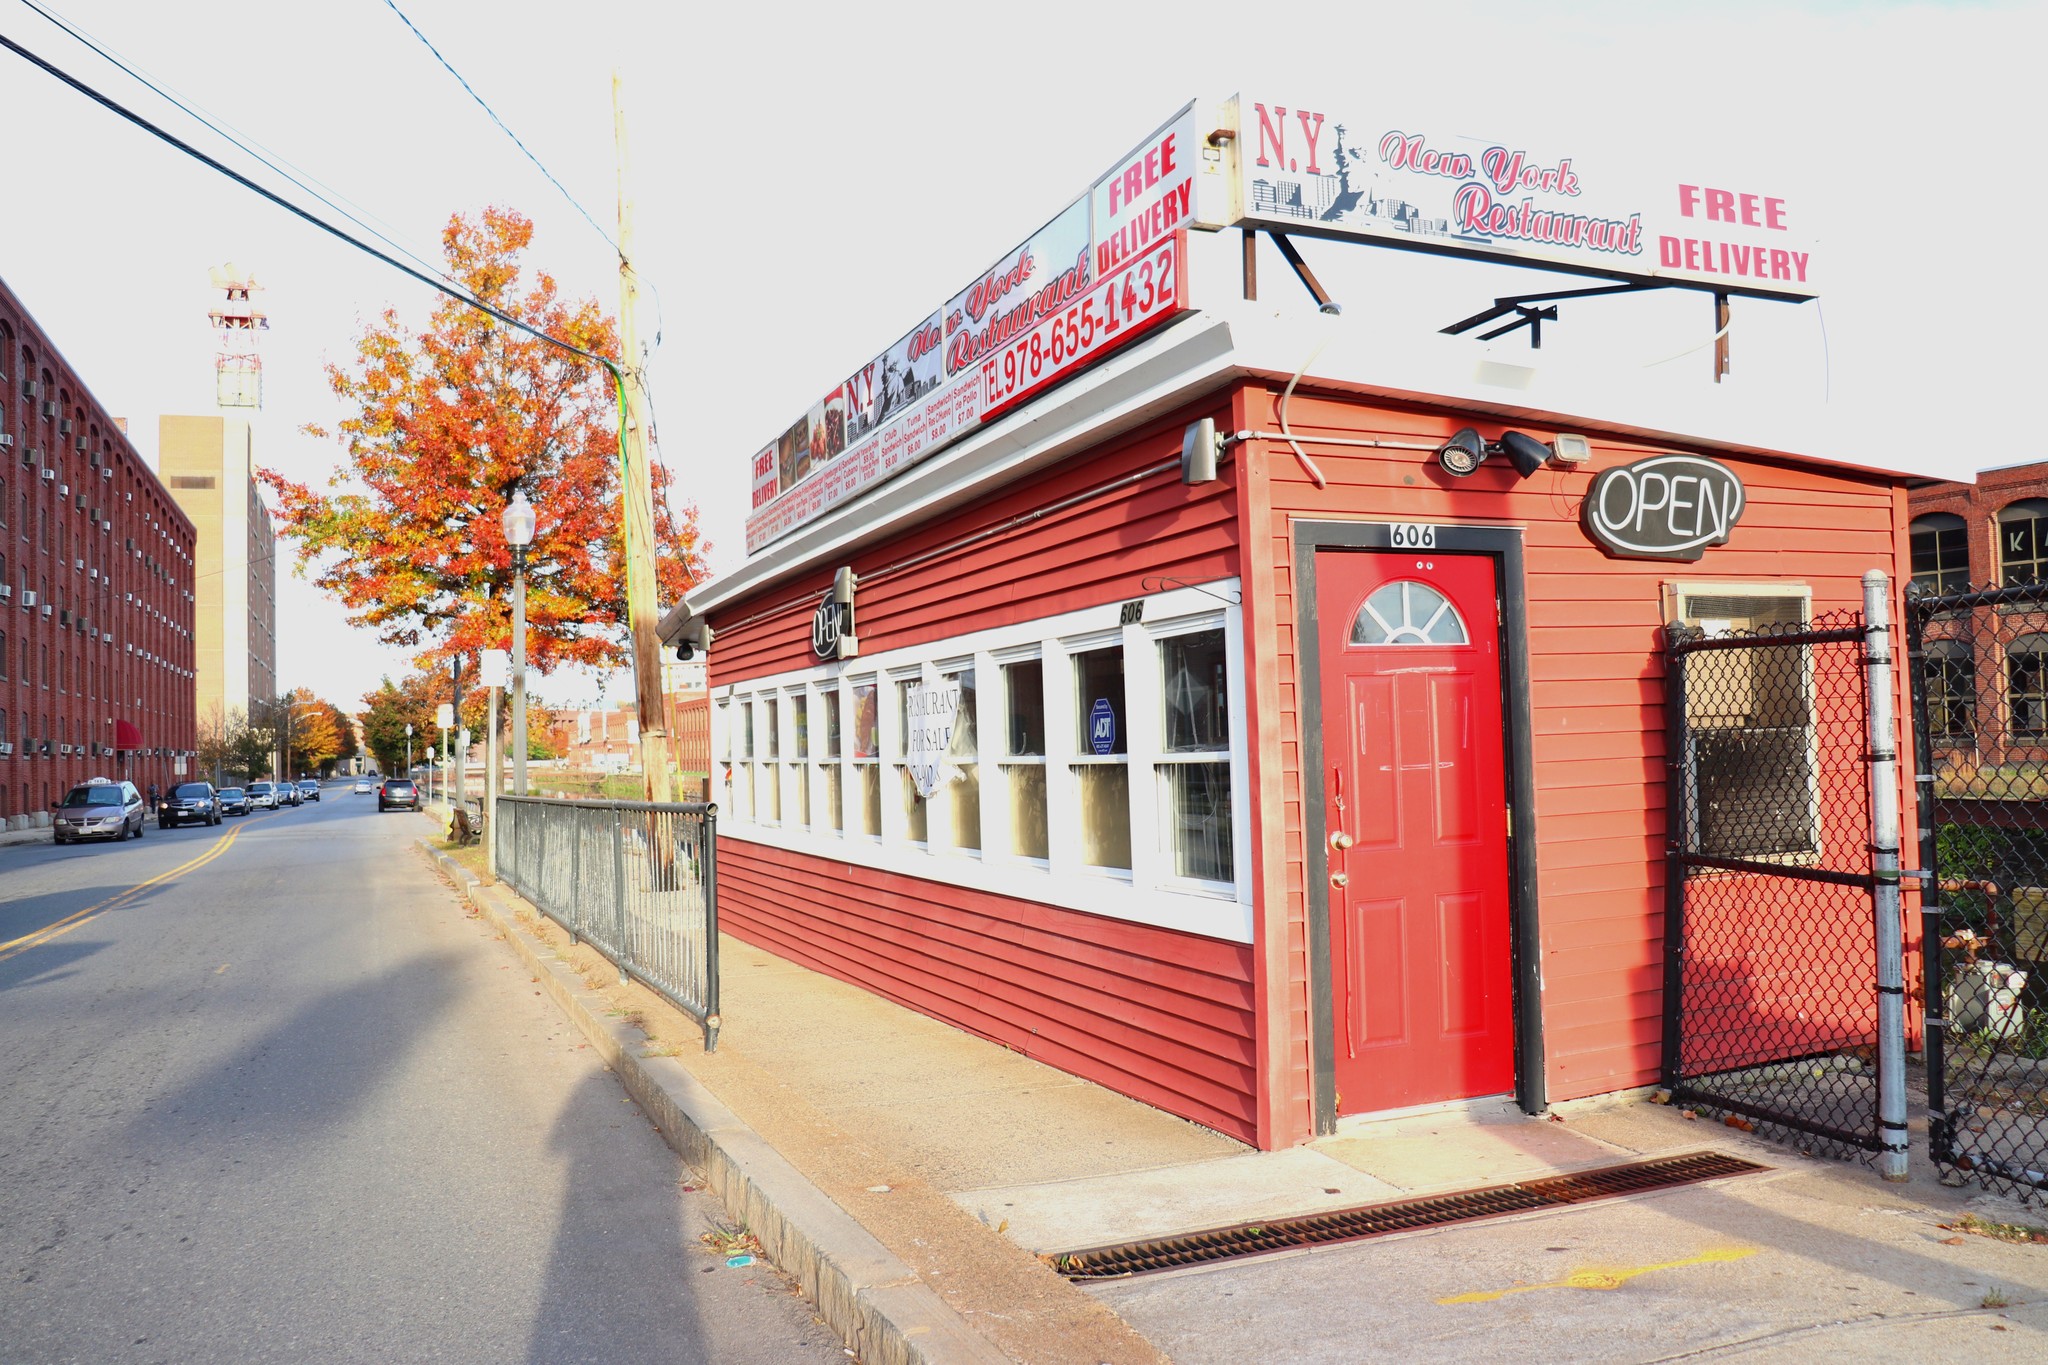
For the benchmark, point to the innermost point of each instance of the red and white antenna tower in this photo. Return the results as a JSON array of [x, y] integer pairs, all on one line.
[[238, 369]]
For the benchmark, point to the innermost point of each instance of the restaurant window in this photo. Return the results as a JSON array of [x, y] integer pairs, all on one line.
[[770, 798], [1194, 765], [834, 773], [2023, 542], [959, 800], [1105, 779], [916, 821], [1101, 768], [2026, 687], [1024, 757], [867, 753], [1751, 758], [800, 756], [1951, 692], [1941, 553]]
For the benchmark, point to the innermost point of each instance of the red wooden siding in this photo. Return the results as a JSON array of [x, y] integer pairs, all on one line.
[[1166, 1017], [1163, 1017], [1596, 688], [1099, 551]]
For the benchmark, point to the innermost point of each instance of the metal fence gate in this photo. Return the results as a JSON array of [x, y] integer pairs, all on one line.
[[1783, 978], [1979, 673]]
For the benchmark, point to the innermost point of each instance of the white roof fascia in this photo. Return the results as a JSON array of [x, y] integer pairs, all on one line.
[[1185, 360]]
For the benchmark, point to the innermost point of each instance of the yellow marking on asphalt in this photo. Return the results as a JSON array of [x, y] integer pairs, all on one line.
[[1604, 1279], [14, 947]]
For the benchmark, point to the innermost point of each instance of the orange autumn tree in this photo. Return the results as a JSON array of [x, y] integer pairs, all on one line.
[[444, 425]]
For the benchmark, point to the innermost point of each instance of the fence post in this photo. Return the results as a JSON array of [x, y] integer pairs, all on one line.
[[708, 832], [1884, 894], [1933, 966], [1677, 819], [619, 889]]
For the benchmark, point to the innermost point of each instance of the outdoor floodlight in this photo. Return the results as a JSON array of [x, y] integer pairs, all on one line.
[[1528, 453], [1463, 453], [1572, 449]]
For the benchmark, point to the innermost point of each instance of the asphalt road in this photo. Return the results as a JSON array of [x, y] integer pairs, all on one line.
[[267, 1094]]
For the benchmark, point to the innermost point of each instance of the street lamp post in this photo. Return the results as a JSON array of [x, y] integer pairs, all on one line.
[[518, 521], [408, 751]]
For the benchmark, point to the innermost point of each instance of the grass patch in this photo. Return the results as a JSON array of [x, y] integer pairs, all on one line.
[[2023, 1233], [1994, 1298]]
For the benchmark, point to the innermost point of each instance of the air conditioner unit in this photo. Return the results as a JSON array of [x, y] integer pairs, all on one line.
[[29, 388], [28, 597], [6, 748], [78, 444], [106, 471], [64, 618], [49, 474], [6, 591], [47, 609], [6, 438], [64, 427], [77, 566], [49, 408], [93, 574]]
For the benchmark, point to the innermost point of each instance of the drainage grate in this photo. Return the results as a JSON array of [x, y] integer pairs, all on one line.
[[1406, 1215]]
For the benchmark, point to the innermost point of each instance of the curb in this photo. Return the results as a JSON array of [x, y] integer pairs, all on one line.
[[864, 1292]]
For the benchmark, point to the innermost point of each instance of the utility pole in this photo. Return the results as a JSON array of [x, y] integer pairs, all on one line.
[[638, 496]]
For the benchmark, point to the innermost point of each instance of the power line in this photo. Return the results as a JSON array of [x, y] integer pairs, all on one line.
[[233, 136], [392, 4], [439, 286]]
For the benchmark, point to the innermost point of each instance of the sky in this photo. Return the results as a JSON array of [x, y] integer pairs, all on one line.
[[807, 181]]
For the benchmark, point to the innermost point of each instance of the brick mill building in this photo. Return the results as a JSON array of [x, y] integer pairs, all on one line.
[[96, 590]]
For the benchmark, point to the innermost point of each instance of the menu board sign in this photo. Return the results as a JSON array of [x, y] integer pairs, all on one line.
[[1106, 269]]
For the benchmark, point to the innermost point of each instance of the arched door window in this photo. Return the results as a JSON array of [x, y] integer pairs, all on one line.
[[1408, 613]]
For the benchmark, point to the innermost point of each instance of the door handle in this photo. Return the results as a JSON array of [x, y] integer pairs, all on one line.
[[1340, 841], [1340, 880]]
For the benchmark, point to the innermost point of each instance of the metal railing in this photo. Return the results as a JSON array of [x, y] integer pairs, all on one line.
[[634, 880]]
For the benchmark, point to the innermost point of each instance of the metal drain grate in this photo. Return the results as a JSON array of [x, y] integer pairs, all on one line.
[[1405, 1215]]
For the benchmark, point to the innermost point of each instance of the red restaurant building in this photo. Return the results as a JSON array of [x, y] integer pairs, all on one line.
[[96, 591], [1295, 774]]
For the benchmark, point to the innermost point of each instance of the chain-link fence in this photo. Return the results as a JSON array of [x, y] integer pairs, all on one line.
[[636, 881], [1772, 999], [1980, 699]]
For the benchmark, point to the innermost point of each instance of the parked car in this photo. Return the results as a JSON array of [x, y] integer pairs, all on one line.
[[363, 787], [262, 796], [309, 789], [288, 794], [398, 793], [189, 803], [234, 801], [99, 809]]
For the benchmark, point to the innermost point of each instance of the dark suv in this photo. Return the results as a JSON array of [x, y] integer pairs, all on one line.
[[189, 803], [398, 793]]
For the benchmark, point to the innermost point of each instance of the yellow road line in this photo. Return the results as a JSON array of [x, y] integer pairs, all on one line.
[[1603, 1279], [36, 938]]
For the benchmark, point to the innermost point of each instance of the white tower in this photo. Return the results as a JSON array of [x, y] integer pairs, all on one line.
[[238, 369]]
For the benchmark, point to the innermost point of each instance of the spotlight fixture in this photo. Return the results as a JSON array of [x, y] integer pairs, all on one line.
[[1572, 449], [1463, 453], [1528, 453]]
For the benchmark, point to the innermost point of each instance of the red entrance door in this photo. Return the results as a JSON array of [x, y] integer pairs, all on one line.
[[1417, 822]]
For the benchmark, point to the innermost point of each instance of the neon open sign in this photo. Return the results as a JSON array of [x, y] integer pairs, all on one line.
[[1665, 507]]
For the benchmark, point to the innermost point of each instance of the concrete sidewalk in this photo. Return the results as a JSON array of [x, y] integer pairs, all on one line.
[[910, 1175]]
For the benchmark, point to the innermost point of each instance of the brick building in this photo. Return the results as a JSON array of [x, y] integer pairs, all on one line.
[[96, 590]]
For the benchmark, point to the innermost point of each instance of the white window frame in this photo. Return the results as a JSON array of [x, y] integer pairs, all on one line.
[[1149, 893]]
